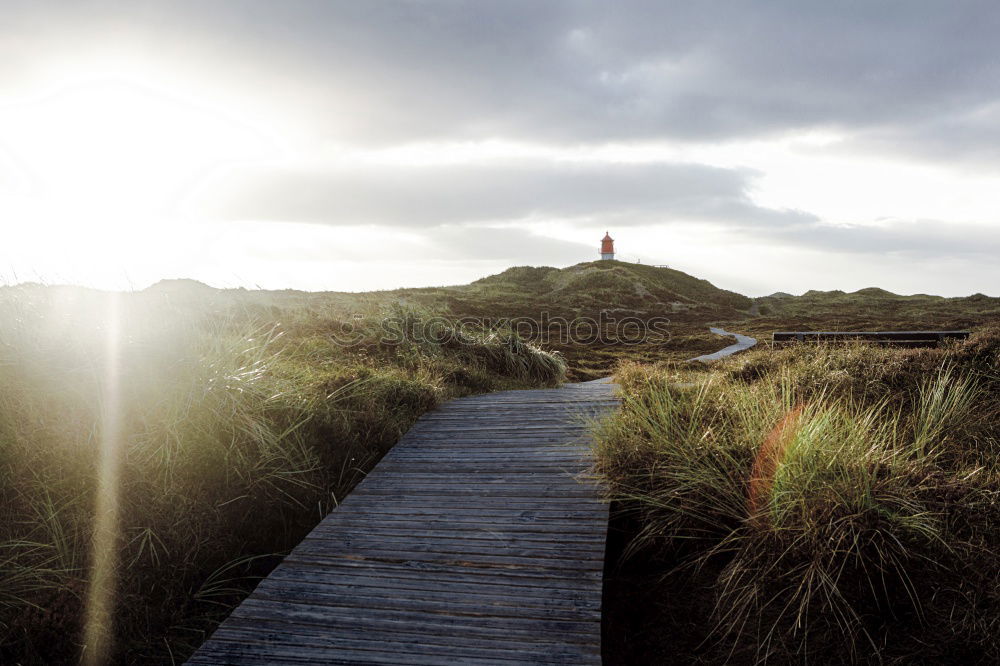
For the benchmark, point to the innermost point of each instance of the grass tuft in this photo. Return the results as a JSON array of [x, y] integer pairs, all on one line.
[[835, 504]]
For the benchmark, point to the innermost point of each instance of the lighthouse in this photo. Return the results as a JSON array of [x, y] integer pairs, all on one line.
[[607, 246]]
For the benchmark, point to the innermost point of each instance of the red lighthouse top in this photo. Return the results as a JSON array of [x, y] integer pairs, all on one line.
[[607, 244]]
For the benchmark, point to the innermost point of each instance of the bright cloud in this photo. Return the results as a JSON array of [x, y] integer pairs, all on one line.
[[345, 145]]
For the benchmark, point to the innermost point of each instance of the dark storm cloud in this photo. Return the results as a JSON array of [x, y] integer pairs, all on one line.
[[423, 196], [567, 71]]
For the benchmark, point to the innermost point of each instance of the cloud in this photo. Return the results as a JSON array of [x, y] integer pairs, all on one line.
[[512, 245], [491, 192], [970, 135], [912, 78], [276, 241], [915, 238], [458, 208], [571, 71]]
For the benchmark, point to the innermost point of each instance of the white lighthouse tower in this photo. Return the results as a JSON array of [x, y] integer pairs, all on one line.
[[607, 246]]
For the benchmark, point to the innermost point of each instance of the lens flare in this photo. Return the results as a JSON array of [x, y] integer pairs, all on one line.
[[765, 465], [99, 624]]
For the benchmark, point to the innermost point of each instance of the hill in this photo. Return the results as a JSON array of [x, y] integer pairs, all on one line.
[[590, 287], [872, 308], [604, 293], [607, 292]]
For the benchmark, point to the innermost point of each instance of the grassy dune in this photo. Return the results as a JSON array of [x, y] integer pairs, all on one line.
[[813, 504], [238, 421], [871, 309], [238, 425], [605, 291]]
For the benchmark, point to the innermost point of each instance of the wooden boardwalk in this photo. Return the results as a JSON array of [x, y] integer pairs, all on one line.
[[477, 540]]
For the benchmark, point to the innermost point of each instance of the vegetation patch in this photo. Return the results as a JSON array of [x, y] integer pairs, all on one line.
[[823, 504], [240, 424], [243, 417]]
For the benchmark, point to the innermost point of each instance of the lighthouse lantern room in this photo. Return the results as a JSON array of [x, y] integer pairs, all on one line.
[[607, 246]]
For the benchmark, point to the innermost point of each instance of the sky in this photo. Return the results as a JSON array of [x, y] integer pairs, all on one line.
[[346, 145]]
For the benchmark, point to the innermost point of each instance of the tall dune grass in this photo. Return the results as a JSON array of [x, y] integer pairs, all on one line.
[[839, 505], [242, 426]]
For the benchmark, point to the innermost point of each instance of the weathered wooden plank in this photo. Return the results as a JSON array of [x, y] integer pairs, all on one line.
[[397, 582], [531, 491], [497, 503], [475, 420], [481, 473], [425, 634], [517, 455], [474, 528], [474, 467], [498, 460], [471, 443], [500, 428], [460, 653], [555, 567], [310, 613], [528, 470], [435, 571], [452, 544], [495, 478], [468, 530], [444, 504], [568, 452], [559, 521], [566, 455], [577, 435], [255, 652], [407, 531], [440, 507], [479, 539], [459, 555], [535, 490], [579, 512], [463, 603]]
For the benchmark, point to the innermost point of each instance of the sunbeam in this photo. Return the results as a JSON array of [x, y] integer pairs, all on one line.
[[99, 625]]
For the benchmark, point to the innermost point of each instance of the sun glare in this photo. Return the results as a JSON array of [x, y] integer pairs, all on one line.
[[93, 170]]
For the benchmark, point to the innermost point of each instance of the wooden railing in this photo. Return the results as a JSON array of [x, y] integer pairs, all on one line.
[[899, 338]]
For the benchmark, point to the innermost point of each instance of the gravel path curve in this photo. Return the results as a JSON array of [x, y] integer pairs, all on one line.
[[742, 342]]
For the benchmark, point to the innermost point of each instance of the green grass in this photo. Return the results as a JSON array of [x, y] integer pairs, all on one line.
[[823, 504], [241, 425], [617, 289], [612, 284], [872, 309]]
